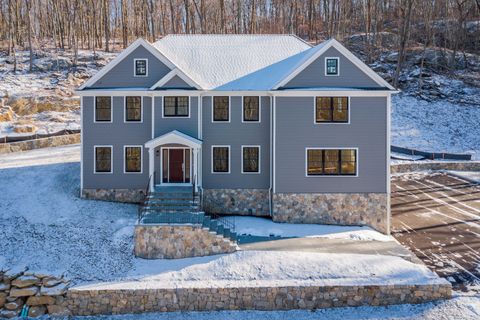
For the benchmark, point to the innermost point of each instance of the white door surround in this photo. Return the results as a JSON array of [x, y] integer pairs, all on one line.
[[176, 138]]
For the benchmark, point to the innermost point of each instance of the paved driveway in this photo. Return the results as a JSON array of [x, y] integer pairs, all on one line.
[[437, 216]]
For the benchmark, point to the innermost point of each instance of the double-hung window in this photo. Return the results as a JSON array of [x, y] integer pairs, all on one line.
[[331, 109], [331, 162], [251, 109], [133, 159], [220, 159], [103, 159], [331, 66], [141, 67], [250, 159], [175, 107], [133, 109], [103, 109], [221, 109]]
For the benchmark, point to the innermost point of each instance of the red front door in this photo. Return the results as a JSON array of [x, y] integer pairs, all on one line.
[[176, 159]]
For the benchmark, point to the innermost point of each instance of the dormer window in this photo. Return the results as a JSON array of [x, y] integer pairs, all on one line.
[[141, 67], [331, 67]]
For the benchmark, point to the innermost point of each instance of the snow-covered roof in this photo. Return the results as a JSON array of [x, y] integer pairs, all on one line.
[[215, 61]]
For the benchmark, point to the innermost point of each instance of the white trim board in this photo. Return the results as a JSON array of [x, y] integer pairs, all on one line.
[[259, 110], [125, 158], [95, 158], [259, 159], [137, 43], [229, 110], [357, 163], [169, 76], [125, 110], [135, 68], [322, 48], [229, 158]]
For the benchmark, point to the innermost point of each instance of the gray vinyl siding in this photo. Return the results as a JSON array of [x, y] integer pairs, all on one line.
[[186, 125], [176, 83], [350, 75], [235, 133], [295, 131], [122, 75], [118, 134]]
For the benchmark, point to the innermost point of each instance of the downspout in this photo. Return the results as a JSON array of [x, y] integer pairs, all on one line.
[[270, 193]]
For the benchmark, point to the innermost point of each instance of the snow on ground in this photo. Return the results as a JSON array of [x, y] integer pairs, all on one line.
[[265, 227], [46, 226], [435, 126], [469, 175], [281, 268], [458, 308]]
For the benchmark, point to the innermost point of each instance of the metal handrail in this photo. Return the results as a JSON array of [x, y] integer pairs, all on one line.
[[141, 208], [227, 222], [193, 188]]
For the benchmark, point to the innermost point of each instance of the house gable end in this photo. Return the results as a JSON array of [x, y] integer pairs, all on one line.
[[352, 72]]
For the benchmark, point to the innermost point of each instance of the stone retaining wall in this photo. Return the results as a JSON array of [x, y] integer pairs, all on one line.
[[37, 292], [369, 209], [439, 165], [251, 202], [178, 241], [119, 195], [96, 302], [40, 143]]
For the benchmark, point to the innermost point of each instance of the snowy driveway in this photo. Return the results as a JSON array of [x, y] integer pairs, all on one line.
[[437, 216]]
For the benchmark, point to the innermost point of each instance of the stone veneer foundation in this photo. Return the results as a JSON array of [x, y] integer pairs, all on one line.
[[369, 209], [85, 302], [119, 195], [178, 241], [251, 202]]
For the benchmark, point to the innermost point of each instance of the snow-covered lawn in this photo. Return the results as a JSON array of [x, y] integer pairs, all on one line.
[[265, 227], [435, 126]]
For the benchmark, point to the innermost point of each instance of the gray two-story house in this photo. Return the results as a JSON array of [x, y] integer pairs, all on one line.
[[263, 125]]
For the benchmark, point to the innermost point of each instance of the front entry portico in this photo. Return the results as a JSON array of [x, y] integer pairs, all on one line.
[[180, 159]]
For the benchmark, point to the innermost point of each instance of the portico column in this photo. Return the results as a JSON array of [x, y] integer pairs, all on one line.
[[195, 168], [151, 166]]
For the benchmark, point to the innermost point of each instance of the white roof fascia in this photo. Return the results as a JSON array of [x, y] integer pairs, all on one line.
[[139, 42], [174, 137], [170, 75], [349, 55]]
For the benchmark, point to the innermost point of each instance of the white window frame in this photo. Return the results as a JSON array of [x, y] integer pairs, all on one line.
[[332, 122], [229, 158], [95, 158], [176, 117], [229, 110], [95, 110], [135, 68], [259, 159], [125, 110], [125, 158], [259, 110], [338, 66], [332, 176]]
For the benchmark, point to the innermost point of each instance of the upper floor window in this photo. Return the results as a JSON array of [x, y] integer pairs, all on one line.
[[103, 159], [221, 109], [133, 159], [331, 67], [175, 107], [331, 162], [103, 109], [331, 109], [133, 109], [221, 159], [141, 67], [250, 159], [251, 109]]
